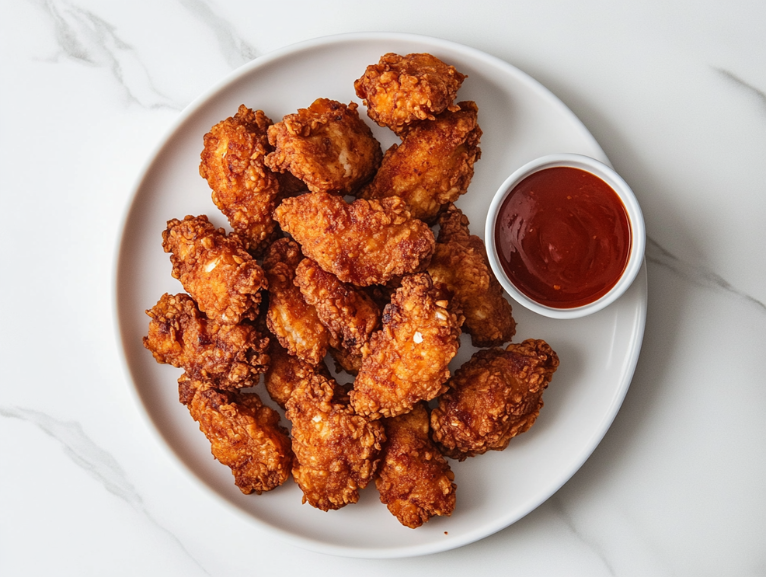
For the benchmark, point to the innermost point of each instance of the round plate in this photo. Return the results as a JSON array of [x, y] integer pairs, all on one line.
[[521, 120]]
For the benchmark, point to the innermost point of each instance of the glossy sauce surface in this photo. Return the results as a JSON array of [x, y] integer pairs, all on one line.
[[563, 237]]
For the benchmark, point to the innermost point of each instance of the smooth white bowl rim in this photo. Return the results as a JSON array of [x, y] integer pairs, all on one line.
[[632, 208]]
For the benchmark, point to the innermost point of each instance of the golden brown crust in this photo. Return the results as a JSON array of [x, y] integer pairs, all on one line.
[[414, 480], [229, 356], [214, 268], [406, 361], [244, 434], [244, 189], [285, 372], [336, 451], [347, 312], [460, 262], [433, 165], [492, 398], [327, 146], [362, 243], [401, 89], [293, 321]]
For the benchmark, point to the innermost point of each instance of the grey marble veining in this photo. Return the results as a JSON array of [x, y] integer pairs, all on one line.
[[98, 463], [697, 275], [557, 505], [94, 460], [88, 39], [760, 94], [236, 50]]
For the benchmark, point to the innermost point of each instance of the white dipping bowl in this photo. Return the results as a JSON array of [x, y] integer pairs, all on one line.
[[635, 219]]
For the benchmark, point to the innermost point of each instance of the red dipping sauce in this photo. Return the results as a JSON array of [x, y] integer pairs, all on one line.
[[563, 237]]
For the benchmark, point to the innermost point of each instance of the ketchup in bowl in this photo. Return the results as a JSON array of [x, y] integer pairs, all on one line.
[[563, 237]]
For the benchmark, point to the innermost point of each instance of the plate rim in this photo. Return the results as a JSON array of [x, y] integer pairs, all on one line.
[[118, 328]]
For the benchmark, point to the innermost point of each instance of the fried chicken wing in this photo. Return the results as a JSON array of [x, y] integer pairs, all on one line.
[[327, 146], [293, 321], [214, 268], [460, 262], [406, 361], [244, 189], [495, 396], [336, 451], [229, 356], [362, 243], [401, 89], [414, 480], [433, 165], [348, 313], [285, 372], [244, 434]]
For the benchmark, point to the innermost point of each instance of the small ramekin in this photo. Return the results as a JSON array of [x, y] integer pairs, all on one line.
[[635, 218]]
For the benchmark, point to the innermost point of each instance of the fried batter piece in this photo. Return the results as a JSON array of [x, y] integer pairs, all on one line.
[[285, 372], [362, 243], [406, 361], [244, 189], [460, 262], [244, 434], [434, 163], [327, 146], [351, 360], [495, 396], [293, 321], [348, 313], [336, 451], [401, 89], [414, 480], [215, 269], [229, 356]]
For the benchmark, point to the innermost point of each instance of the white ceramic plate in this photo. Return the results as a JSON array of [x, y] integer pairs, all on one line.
[[521, 121]]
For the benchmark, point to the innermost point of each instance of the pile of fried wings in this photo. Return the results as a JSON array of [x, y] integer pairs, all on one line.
[[304, 274]]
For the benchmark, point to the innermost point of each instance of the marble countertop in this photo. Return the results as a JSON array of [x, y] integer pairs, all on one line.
[[674, 92]]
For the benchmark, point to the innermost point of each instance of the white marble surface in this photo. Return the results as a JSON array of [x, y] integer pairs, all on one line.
[[675, 92]]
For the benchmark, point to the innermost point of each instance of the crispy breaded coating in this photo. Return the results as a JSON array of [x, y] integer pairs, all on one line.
[[401, 89], [244, 189], [327, 146], [433, 165], [406, 361], [293, 321], [495, 396], [414, 480], [336, 451], [348, 313], [362, 243], [350, 360], [244, 434], [285, 372], [214, 268], [460, 262], [229, 356]]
